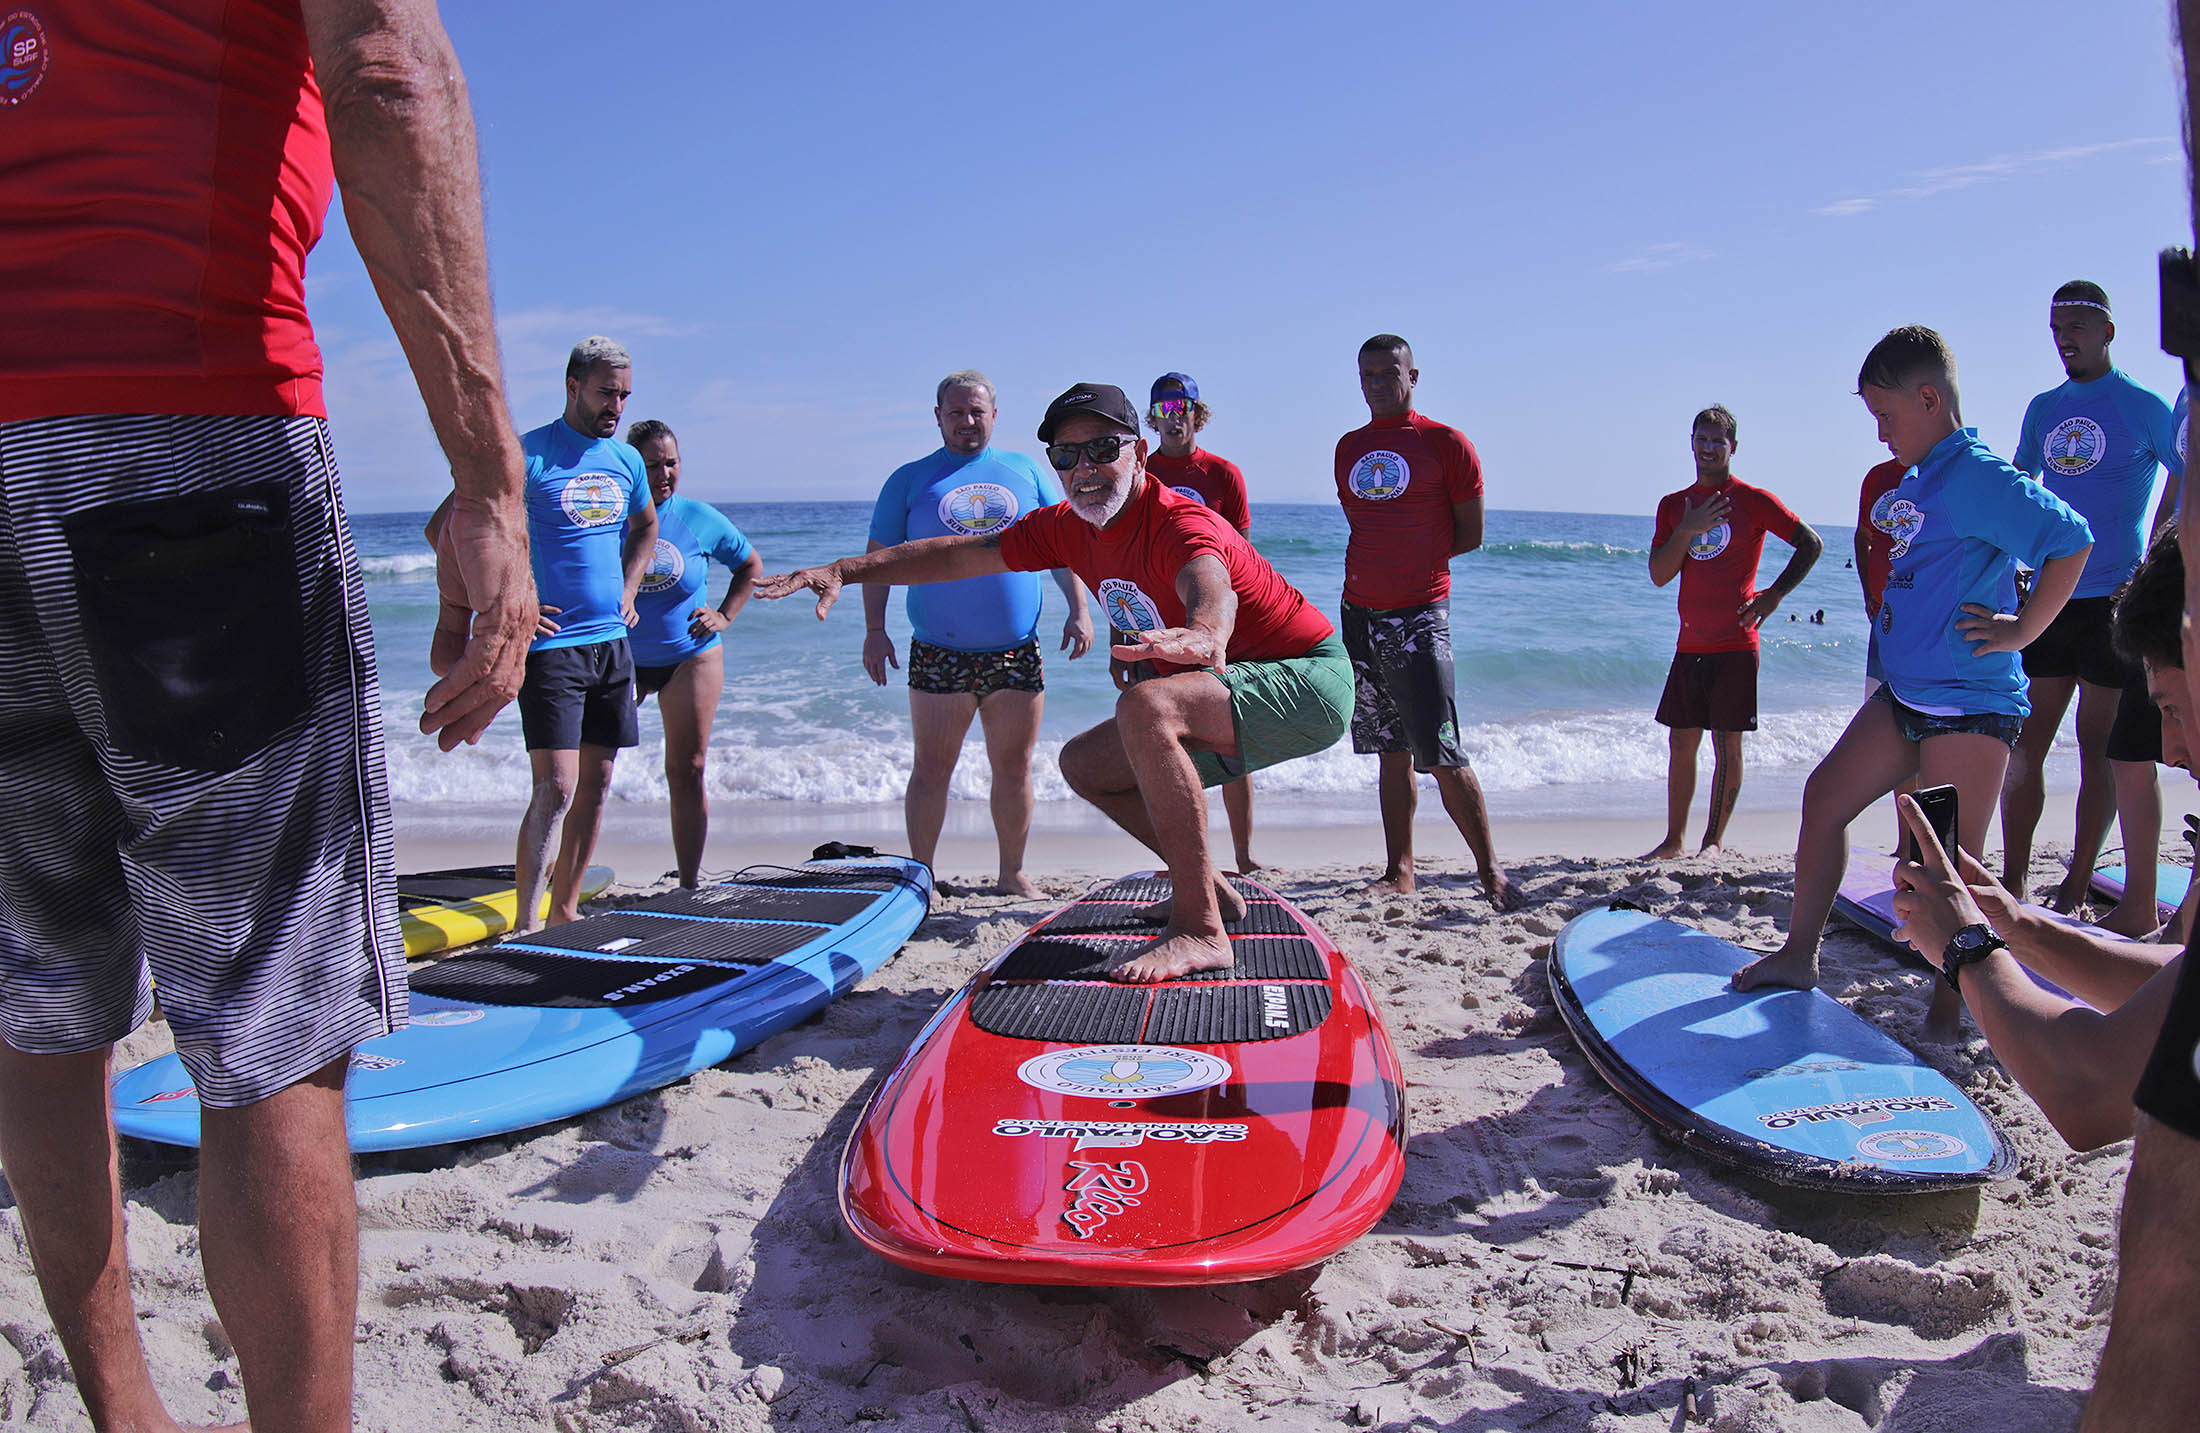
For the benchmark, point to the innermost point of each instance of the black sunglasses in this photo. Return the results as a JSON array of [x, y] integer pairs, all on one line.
[[1104, 449]]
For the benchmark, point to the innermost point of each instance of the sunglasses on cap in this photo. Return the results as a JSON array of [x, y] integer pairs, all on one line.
[[1103, 449]]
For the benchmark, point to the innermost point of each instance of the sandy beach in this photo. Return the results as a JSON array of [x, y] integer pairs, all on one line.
[[677, 1262]]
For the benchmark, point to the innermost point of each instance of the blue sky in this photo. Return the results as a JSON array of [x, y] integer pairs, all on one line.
[[1590, 220]]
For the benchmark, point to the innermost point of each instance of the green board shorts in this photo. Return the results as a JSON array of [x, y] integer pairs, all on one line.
[[1291, 706]]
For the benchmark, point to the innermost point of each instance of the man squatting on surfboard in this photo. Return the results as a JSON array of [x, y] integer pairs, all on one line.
[[163, 437], [2078, 1061], [1247, 672], [1954, 698]]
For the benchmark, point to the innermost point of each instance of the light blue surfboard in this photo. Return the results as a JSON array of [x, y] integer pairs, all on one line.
[[1789, 1085], [2170, 884], [572, 1018]]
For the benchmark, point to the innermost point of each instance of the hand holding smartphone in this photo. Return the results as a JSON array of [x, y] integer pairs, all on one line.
[[1939, 805]]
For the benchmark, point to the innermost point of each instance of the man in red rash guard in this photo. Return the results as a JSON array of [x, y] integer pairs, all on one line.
[[191, 783], [1246, 672], [1412, 495], [1176, 414], [1710, 535], [1874, 560]]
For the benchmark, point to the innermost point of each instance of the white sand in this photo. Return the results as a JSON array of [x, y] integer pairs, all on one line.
[[678, 1262]]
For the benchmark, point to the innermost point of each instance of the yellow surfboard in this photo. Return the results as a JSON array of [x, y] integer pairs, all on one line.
[[442, 911]]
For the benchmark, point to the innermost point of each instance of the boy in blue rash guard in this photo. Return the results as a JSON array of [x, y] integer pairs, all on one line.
[[677, 653], [2098, 442], [975, 645], [1954, 696]]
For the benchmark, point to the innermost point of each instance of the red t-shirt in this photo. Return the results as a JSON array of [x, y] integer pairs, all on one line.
[[165, 169], [1720, 573], [1132, 566], [1878, 541], [1212, 480], [1397, 479]]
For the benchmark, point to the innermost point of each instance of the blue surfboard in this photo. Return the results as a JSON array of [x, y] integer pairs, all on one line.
[[1789, 1085], [2170, 884], [570, 1019]]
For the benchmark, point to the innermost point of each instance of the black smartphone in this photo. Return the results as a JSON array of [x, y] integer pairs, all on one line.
[[1939, 805]]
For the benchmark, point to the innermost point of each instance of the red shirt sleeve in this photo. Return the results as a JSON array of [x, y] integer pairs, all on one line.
[[1233, 506], [1030, 545], [1462, 465], [1773, 516], [1669, 517]]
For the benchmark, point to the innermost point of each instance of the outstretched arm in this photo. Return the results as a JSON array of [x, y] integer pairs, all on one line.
[[928, 559], [401, 135], [2076, 1063]]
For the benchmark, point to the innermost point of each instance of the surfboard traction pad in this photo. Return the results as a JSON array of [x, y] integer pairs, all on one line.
[[436, 888], [680, 942], [1051, 987]]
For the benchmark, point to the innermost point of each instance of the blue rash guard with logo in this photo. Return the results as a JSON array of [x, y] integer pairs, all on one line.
[[2099, 447], [689, 535], [948, 495], [580, 491], [1963, 521]]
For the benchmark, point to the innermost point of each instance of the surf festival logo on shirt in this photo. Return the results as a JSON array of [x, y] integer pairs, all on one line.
[[24, 57], [593, 499], [1709, 544], [1905, 520], [1379, 476], [2074, 446], [977, 508], [1139, 1071], [1193, 493], [1128, 608], [665, 567]]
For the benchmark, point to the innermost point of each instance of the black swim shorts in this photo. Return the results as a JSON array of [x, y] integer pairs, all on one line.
[[1402, 683], [576, 695], [2076, 644]]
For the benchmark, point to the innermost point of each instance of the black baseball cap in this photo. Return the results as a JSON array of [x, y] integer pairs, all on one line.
[[1101, 400]]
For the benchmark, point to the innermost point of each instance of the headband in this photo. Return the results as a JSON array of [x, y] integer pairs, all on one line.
[[2081, 303]]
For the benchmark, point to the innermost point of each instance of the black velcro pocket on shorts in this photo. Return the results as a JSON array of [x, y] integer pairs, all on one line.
[[190, 610]]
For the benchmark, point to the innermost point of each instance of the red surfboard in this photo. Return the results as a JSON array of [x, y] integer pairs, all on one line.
[[1050, 1126]]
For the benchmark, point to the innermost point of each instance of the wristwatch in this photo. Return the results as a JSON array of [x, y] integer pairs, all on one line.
[[1969, 946]]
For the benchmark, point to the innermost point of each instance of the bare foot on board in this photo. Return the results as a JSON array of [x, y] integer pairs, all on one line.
[[1175, 953]]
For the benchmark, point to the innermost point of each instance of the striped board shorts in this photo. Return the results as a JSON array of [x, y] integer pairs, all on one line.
[[191, 780]]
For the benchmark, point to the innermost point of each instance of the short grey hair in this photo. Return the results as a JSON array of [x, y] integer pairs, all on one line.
[[966, 378], [595, 352]]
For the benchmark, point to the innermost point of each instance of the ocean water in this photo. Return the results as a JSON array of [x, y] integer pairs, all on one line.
[[1561, 643]]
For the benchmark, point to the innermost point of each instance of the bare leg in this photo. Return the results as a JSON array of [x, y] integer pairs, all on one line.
[[1976, 766], [556, 773], [1237, 800], [1159, 724], [1463, 802], [2096, 792], [939, 721], [57, 1145], [2139, 813], [1863, 766], [1011, 723], [2151, 1331], [1097, 768], [1400, 797], [2024, 792], [279, 1231], [1680, 790], [688, 704], [1726, 787], [578, 843]]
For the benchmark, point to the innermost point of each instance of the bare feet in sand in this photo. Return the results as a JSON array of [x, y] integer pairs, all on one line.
[[1667, 850], [1795, 969], [1174, 953], [1392, 883], [2069, 895], [1502, 892], [1247, 865], [1017, 884], [1944, 1016], [1228, 903], [2137, 921]]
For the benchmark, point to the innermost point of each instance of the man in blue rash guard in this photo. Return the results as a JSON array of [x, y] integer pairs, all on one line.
[[677, 654], [2098, 442], [591, 528], [974, 648]]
